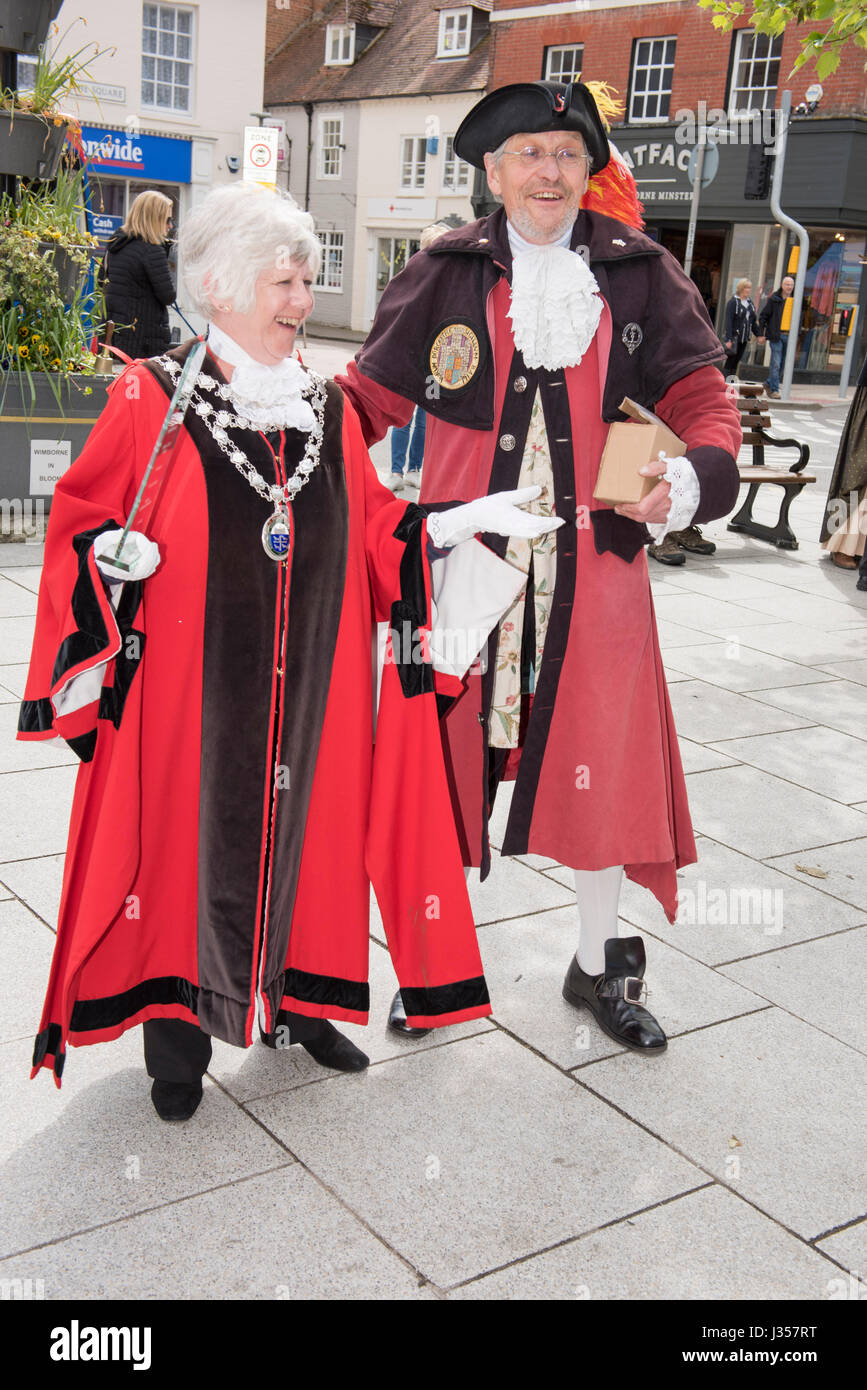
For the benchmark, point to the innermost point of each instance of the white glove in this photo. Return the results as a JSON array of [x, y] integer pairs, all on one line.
[[146, 561], [498, 513]]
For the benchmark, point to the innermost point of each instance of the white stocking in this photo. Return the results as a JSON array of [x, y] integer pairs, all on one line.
[[597, 891]]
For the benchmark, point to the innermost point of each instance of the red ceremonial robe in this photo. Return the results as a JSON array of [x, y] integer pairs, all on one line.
[[231, 809], [599, 781]]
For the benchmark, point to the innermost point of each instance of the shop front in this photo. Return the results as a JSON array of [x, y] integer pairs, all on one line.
[[394, 227], [824, 188], [121, 165]]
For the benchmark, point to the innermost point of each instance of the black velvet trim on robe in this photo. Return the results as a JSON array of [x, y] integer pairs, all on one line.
[[92, 1015], [554, 396], [619, 534], [92, 635], [113, 697], [505, 472], [445, 999], [327, 989], [408, 613], [36, 716]]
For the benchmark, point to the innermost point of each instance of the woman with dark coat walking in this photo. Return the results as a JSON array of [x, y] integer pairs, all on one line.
[[135, 276], [740, 325]]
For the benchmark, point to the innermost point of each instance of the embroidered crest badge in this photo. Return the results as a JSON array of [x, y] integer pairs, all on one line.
[[455, 355], [632, 336]]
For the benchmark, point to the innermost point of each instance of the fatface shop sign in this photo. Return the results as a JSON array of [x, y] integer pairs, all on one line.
[[659, 167]]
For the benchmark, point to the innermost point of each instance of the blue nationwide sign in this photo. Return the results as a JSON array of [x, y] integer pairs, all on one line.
[[157, 158]]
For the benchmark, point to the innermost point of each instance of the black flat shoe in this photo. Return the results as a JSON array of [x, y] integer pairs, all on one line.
[[397, 1020], [176, 1100], [332, 1049], [613, 996]]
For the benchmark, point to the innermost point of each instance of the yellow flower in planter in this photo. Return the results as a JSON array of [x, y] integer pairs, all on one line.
[[35, 339], [45, 350], [56, 365], [23, 350], [23, 332]]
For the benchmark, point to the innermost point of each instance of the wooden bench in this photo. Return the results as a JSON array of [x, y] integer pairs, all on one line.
[[753, 405]]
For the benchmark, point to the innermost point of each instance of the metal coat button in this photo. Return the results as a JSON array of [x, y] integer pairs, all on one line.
[[507, 442], [520, 383]]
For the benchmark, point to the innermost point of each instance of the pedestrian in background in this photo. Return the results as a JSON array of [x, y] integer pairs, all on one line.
[[846, 543], [770, 328], [400, 434], [136, 278], [740, 326]]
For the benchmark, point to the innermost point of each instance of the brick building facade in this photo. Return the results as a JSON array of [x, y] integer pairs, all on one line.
[[607, 33], [666, 59]]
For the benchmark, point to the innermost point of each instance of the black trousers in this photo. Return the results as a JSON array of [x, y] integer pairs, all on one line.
[[733, 360], [178, 1051]]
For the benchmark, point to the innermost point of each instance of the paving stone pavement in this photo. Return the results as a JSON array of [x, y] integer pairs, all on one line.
[[525, 1156]]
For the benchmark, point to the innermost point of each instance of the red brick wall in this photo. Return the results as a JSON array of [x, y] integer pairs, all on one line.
[[701, 60]]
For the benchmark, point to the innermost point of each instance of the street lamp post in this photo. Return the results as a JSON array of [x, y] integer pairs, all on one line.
[[803, 242]]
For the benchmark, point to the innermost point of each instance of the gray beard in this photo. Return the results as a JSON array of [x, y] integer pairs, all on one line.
[[523, 222]]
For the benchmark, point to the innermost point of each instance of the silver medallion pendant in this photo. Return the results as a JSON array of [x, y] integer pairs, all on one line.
[[277, 535]]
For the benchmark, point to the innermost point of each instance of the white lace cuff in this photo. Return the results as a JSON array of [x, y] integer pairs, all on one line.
[[685, 494], [434, 530]]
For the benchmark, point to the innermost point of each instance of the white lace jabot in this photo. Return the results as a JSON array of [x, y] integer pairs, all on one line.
[[556, 305], [269, 397]]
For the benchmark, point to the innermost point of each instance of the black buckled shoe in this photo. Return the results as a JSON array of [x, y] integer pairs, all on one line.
[[397, 1020], [176, 1100], [613, 997], [332, 1049]]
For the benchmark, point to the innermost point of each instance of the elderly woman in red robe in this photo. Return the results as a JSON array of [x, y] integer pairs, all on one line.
[[231, 809]]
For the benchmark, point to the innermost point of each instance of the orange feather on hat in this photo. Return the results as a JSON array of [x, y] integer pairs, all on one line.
[[612, 191]]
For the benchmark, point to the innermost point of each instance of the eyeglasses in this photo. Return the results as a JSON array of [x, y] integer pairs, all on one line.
[[532, 157]]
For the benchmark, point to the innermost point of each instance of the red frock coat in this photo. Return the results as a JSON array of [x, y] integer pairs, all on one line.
[[231, 810], [599, 780]]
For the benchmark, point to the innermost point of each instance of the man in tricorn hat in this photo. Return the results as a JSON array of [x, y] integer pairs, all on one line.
[[520, 335]]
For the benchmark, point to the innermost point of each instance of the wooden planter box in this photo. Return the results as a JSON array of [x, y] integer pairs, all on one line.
[[30, 147], [36, 439]]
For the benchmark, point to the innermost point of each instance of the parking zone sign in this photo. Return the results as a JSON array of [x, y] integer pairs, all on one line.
[[260, 154]]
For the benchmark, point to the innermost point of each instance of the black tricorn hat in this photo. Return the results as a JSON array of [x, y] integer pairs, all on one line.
[[532, 107]]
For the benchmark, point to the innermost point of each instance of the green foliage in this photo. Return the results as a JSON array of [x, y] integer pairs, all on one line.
[[848, 24], [39, 332]]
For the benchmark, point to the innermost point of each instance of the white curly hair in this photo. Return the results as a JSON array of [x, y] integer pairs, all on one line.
[[238, 231]]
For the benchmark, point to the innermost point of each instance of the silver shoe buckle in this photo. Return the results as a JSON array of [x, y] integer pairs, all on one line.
[[618, 987]]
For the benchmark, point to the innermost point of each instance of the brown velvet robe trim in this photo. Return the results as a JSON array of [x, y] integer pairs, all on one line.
[[245, 595], [319, 555]]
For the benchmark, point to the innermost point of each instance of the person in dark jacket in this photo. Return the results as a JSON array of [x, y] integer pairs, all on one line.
[[770, 327], [740, 326], [844, 524], [136, 279]]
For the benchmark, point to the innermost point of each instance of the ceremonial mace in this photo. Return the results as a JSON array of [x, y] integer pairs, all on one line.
[[157, 470]]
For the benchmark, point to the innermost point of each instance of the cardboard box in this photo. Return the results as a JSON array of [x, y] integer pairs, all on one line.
[[630, 445]]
